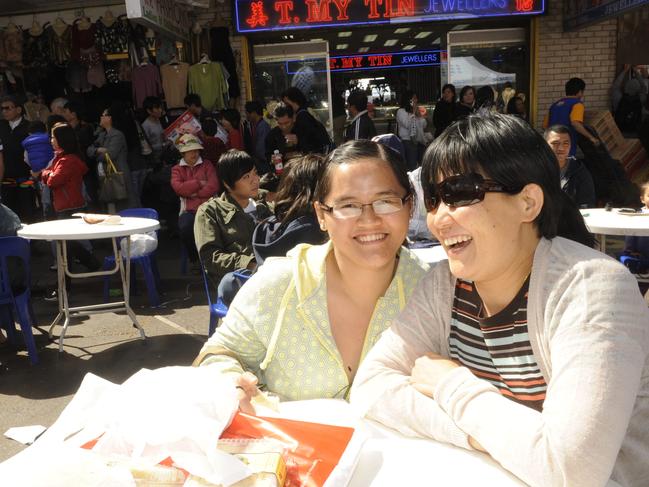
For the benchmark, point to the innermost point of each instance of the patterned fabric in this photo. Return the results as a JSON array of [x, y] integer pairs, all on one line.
[[278, 325], [60, 45], [497, 349]]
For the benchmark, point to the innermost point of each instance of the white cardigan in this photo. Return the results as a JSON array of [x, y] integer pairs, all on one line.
[[589, 330]]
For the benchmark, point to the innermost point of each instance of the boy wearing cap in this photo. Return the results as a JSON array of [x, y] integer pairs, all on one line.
[[195, 181]]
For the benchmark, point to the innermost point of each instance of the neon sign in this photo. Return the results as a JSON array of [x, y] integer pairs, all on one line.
[[359, 62], [263, 15]]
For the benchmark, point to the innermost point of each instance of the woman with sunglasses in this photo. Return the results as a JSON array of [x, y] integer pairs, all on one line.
[[303, 323], [523, 344]]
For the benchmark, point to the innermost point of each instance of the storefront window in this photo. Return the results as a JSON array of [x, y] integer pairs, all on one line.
[[496, 58], [300, 65]]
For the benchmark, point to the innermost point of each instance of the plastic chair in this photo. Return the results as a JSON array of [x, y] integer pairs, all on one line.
[[218, 309], [17, 304], [146, 262]]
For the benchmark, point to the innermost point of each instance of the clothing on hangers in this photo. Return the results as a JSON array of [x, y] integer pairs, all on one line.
[[222, 51], [36, 51], [60, 43], [208, 81], [13, 45], [146, 82], [174, 83]]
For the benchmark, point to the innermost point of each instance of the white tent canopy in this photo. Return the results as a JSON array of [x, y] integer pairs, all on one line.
[[469, 71]]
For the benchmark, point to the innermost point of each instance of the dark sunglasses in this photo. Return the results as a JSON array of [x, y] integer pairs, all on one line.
[[464, 190]]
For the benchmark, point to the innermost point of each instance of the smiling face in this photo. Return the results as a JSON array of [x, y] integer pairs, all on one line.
[[370, 240], [491, 240]]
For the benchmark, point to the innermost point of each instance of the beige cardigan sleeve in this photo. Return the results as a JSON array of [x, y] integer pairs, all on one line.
[[590, 331], [596, 327], [382, 389]]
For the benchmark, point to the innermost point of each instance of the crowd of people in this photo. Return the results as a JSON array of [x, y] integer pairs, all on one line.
[[525, 343]]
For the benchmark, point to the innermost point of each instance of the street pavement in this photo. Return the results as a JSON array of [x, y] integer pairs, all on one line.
[[104, 344]]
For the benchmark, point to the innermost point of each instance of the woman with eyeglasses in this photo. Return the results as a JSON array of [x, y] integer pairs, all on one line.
[[303, 323], [523, 344]]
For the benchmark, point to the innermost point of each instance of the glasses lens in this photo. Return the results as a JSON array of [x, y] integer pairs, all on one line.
[[348, 210], [462, 190], [7, 108], [387, 206]]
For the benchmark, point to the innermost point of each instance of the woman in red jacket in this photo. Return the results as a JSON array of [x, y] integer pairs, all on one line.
[[64, 177], [195, 181], [231, 121]]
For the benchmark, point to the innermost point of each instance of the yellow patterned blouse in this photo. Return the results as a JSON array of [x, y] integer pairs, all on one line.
[[278, 327]]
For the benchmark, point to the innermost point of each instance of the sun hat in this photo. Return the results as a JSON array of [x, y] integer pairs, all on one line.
[[188, 142]]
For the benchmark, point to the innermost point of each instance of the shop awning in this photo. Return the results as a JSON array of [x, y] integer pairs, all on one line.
[[469, 71]]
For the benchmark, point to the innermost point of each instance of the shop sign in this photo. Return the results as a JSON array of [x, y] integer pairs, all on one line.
[[262, 15], [165, 16], [577, 14], [360, 62]]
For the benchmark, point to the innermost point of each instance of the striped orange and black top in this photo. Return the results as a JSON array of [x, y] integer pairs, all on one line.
[[497, 349]]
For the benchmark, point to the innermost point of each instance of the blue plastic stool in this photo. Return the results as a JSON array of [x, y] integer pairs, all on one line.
[[637, 265], [17, 304], [147, 262]]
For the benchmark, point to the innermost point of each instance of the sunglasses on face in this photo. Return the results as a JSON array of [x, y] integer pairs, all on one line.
[[464, 190]]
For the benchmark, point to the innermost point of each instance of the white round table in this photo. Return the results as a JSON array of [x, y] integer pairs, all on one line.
[[76, 229], [602, 222]]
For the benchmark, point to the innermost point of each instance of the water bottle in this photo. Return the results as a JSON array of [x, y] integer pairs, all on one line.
[[276, 159]]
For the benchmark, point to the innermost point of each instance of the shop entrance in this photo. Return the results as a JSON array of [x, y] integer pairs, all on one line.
[[304, 65]]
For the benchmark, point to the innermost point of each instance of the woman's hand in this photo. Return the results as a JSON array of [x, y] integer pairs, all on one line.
[[36, 174], [101, 151], [246, 389], [428, 371]]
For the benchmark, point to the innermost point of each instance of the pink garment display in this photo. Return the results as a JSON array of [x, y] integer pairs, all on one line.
[[146, 82]]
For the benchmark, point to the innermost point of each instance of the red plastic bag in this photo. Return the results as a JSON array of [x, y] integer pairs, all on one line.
[[312, 450]]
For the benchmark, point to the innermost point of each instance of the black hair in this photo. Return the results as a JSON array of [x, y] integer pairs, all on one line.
[[557, 129], [233, 116], [509, 151], [36, 127], [574, 86], [511, 105], [14, 101], [210, 126], [124, 121], [256, 107], [357, 99], [296, 96], [283, 110], [151, 102], [76, 108], [232, 165], [269, 182], [449, 86], [484, 97], [354, 151], [193, 99], [464, 90], [66, 138], [297, 189], [52, 120], [404, 101]]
